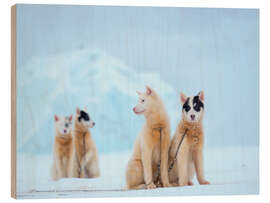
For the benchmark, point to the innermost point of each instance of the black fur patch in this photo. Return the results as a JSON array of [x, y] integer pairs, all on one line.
[[186, 106], [197, 103], [84, 116]]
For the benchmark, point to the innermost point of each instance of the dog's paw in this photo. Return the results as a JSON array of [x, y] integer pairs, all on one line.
[[204, 182], [151, 186], [174, 184], [190, 183], [167, 185], [181, 184], [158, 184]]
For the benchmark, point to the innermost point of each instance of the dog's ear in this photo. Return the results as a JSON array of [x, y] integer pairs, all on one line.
[[56, 118], [201, 95], [149, 90], [138, 93], [78, 111], [70, 118], [183, 98]]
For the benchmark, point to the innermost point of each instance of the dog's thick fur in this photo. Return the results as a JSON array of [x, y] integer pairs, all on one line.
[[85, 162], [141, 172], [190, 154], [62, 155]]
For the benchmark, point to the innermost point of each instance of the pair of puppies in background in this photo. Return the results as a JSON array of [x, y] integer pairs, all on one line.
[[153, 152], [75, 154]]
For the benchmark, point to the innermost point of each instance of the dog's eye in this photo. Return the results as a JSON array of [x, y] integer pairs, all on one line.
[[66, 125], [187, 108], [142, 100]]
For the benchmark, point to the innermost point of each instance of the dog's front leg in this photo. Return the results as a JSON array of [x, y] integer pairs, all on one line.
[[84, 164], [147, 167], [165, 142], [182, 164], [83, 173], [73, 167], [198, 162], [88, 156], [59, 168]]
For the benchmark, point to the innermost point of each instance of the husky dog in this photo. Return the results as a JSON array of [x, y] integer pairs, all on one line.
[[151, 146], [190, 154], [63, 148], [86, 157]]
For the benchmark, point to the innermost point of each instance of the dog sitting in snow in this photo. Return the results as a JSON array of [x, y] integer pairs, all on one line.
[[151, 146], [85, 163], [63, 147], [190, 155]]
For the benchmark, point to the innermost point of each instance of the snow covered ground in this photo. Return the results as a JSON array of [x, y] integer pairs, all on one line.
[[231, 171]]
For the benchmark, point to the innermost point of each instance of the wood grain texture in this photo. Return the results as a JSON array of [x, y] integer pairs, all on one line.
[[13, 101]]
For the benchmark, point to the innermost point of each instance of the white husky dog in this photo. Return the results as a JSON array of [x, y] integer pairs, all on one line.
[[151, 146], [86, 156], [63, 147]]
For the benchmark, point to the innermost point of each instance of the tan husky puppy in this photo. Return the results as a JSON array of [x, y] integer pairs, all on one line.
[[190, 154], [86, 157], [63, 150], [142, 169]]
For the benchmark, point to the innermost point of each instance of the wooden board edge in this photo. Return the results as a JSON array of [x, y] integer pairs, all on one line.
[[13, 101]]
